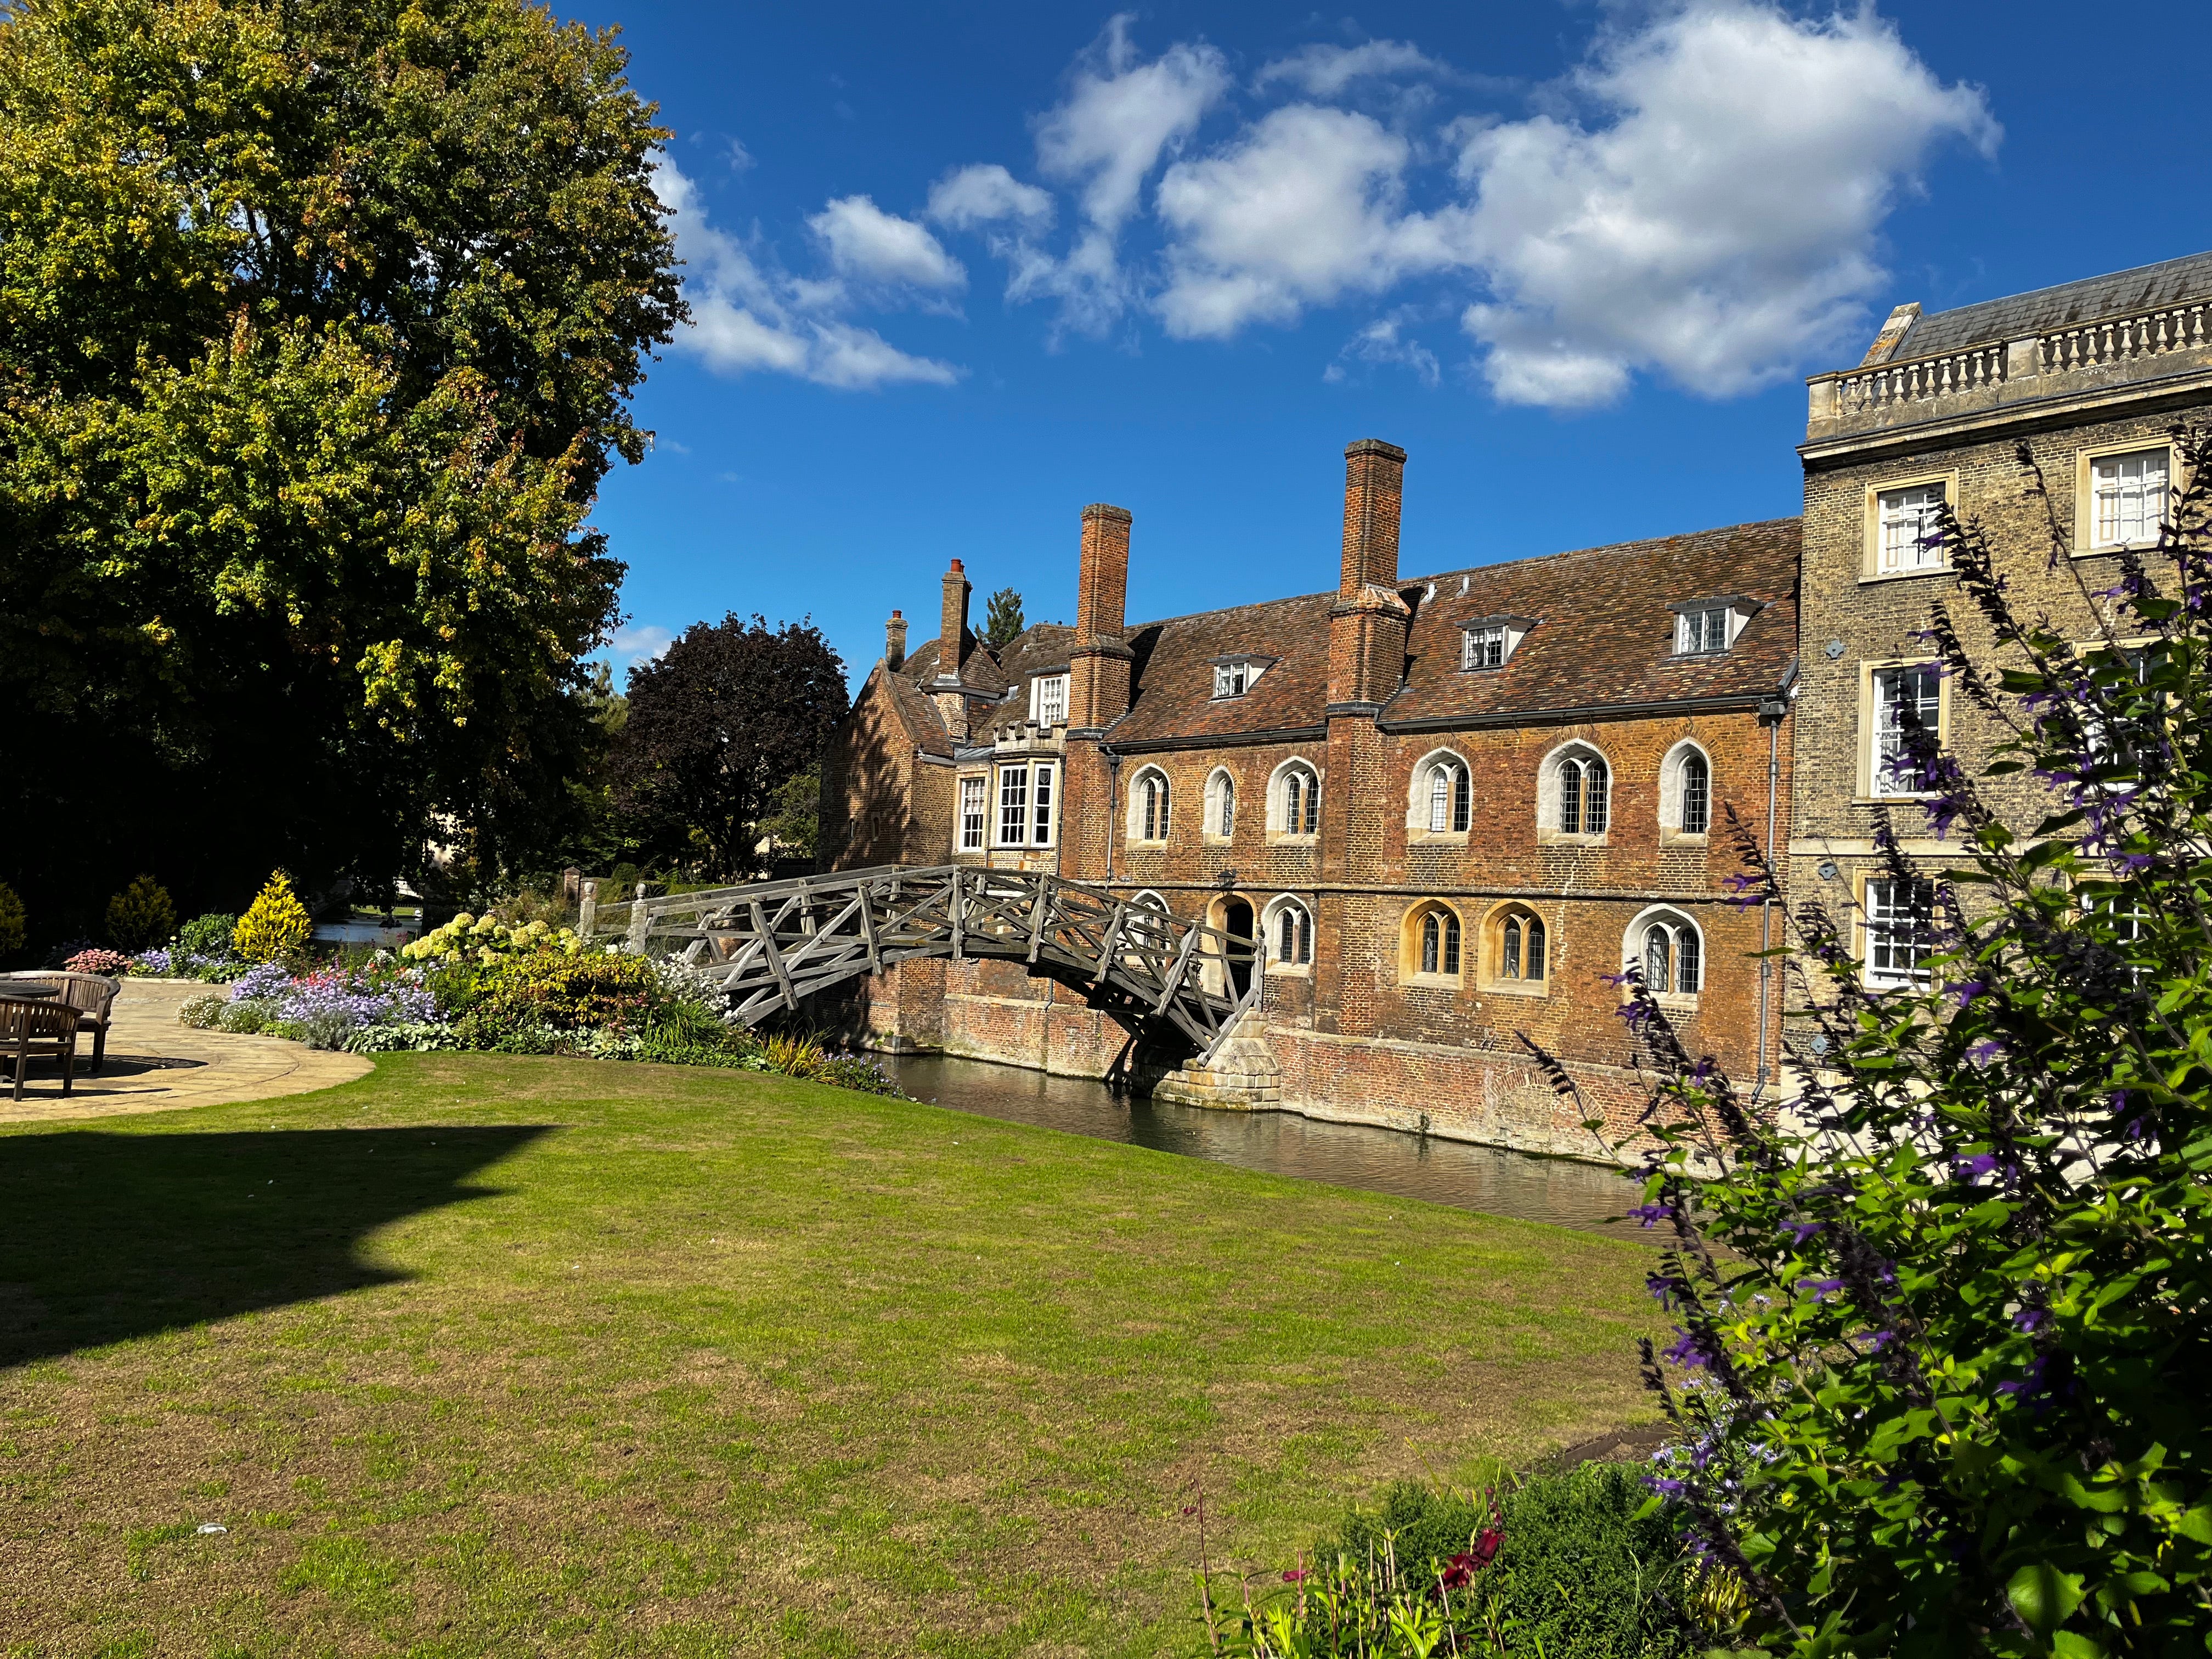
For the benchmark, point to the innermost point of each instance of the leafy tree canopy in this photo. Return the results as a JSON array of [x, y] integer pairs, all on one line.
[[731, 713], [318, 320], [1002, 618]]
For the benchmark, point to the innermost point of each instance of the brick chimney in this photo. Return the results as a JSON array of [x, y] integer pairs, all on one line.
[[953, 630], [1368, 624], [895, 642], [1098, 664], [1374, 485]]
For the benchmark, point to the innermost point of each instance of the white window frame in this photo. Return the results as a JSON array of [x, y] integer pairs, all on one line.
[[1571, 761], [1234, 680], [1885, 733], [1674, 793], [1220, 805], [1880, 923], [1896, 526], [975, 825], [1299, 960], [1049, 700], [1028, 802], [1484, 647], [1455, 805], [1703, 632], [2109, 533], [1290, 818]]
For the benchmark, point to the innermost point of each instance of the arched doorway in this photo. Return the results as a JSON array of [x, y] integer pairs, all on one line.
[[1237, 918]]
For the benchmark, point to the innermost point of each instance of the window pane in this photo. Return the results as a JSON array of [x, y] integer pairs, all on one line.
[[971, 814], [1013, 805], [1536, 949], [1311, 793], [1689, 968], [2129, 493], [1571, 798], [1697, 795], [1044, 820], [1285, 938], [1431, 942], [1439, 798], [1899, 916], [1908, 528], [1903, 698], [1509, 956], [1596, 797], [1462, 798], [1451, 944], [1658, 959]]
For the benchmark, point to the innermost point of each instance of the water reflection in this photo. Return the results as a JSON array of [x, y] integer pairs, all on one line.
[[1485, 1178]]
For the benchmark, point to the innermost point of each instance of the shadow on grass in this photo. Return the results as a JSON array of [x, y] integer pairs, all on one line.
[[108, 1237]]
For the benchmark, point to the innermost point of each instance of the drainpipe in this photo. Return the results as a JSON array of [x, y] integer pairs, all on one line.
[[1774, 710], [1113, 807]]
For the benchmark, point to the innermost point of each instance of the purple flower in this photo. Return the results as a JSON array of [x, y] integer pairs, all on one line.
[[1970, 1168], [2030, 1319], [1799, 1231], [1822, 1289], [1984, 1051], [1965, 994]]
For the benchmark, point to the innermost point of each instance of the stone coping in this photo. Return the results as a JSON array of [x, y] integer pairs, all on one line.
[[155, 1064]]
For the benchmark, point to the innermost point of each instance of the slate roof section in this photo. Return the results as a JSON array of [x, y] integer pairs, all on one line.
[[1041, 648], [1604, 637], [2146, 288]]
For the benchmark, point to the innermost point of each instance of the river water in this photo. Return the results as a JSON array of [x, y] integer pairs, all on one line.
[[1484, 1178]]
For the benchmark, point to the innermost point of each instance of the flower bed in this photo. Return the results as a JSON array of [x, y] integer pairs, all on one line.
[[517, 991]]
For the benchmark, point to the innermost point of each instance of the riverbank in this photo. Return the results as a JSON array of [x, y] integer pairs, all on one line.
[[501, 1353]]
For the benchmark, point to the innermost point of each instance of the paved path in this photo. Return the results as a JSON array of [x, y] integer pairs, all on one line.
[[155, 1064]]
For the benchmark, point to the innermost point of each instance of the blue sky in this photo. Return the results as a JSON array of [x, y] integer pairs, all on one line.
[[959, 270]]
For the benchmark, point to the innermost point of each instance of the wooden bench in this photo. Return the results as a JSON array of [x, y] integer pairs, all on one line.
[[93, 995], [34, 1030]]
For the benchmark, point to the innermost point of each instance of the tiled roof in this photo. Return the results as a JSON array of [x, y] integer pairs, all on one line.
[[2146, 287], [982, 668], [922, 722], [1604, 636], [1604, 631], [1043, 647]]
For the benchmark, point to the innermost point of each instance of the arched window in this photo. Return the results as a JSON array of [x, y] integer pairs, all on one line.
[[1221, 805], [1686, 791], [1443, 799], [1667, 951], [1289, 933], [1519, 951], [1433, 943], [1148, 807], [1580, 787], [1297, 800]]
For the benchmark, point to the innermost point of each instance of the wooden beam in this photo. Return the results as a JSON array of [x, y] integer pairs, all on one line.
[[1037, 910], [1182, 967], [868, 932], [774, 956], [960, 922]]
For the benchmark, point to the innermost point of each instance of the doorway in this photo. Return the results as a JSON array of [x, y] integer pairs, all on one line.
[[1236, 920]]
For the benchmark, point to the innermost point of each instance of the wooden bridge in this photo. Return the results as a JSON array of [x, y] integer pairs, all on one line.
[[771, 944]]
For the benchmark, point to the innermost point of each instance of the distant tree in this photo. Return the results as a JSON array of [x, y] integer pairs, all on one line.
[[1002, 618], [733, 711], [795, 821], [318, 321], [141, 915]]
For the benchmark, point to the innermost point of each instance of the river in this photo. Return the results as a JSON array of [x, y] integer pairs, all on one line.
[[1485, 1178]]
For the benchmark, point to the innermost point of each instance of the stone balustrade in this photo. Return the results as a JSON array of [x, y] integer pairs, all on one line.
[[2002, 372]]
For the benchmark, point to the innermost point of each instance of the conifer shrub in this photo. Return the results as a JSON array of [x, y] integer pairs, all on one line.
[[140, 917], [275, 926], [13, 926]]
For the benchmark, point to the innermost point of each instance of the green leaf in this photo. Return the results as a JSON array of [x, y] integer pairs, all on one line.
[[2043, 1596]]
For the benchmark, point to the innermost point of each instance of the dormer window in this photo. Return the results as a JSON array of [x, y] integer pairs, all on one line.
[[1049, 700], [1234, 675], [1489, 642], [1707, 626]]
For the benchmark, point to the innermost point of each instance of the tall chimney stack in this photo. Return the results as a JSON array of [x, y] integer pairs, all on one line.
[[895, 642], [1101, 579], [1099, 662], [953, 630], [1374, 487]]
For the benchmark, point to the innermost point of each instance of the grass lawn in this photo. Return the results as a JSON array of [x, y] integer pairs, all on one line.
[[487, 1356]]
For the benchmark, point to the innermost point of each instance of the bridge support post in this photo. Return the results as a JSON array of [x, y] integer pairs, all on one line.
[[1240, 1075]]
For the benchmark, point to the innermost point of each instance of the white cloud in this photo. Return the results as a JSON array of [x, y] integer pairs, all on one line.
[[637, 645], [1383, 341], [1121, 114], [745, 320], [1720, 223], [1298, 210], [869, 244], [1322, 71], [989, 195]]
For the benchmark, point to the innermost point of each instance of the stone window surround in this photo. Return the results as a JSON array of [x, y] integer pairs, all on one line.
[[1270, 922], [1863, 778], [1133, 825], [1860, 881], [1870, 569], [1417, 832], [1631, 953], [1278, 806], [2085, 504], [1409, 944], [1549, 833], [1220, 786], [1671, 834], [1488, 979]]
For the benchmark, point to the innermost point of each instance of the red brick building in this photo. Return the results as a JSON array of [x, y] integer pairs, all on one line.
[[1451, 806]]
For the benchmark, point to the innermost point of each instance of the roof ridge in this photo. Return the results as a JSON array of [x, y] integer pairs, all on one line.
[[2074, 282]]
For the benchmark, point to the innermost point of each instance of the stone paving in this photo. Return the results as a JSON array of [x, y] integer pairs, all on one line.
[[155, 1064]]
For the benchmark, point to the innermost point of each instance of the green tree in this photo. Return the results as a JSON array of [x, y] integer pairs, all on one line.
[[1002, 618], [1944, 1319], [318, 320], [141, 915], [794, 818]]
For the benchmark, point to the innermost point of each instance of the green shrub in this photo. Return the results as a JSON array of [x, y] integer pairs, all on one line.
[[208, 935], [275, 926], [203, 1012], [12, 924], [140, 917]]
